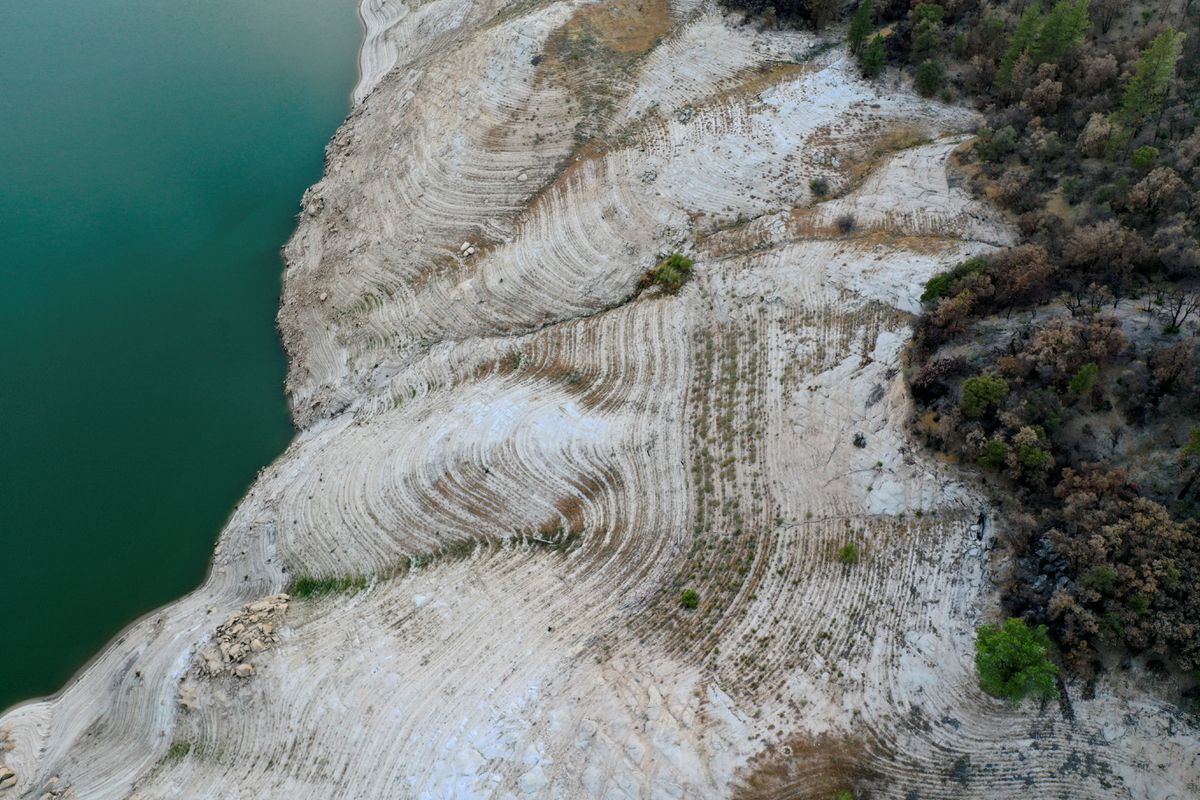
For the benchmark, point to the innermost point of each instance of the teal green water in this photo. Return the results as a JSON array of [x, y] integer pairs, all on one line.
[[152, 158]]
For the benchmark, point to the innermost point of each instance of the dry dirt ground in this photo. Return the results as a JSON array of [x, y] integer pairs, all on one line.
[[526, 458]]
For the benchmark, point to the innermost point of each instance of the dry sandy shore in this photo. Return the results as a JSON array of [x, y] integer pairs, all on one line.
[[527, 458]]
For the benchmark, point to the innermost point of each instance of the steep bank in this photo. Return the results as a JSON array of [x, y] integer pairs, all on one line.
[[526, 458]]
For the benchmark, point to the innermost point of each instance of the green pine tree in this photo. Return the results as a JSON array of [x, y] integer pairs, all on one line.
[[1146, 90], [1061, 30], [860, 26], [870, 60], [1023, 37]]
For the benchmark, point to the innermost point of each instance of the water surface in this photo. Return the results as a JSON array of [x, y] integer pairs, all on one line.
[[154, 154]]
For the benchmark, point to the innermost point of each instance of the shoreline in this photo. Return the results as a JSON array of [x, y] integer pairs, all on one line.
[[81, 672]]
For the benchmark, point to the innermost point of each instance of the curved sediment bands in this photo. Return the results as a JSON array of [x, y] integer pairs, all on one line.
[[513, 457]]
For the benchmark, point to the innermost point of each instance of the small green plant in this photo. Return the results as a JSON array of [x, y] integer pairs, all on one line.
[[982, 393], [689, 599], [1084, 379], [940, 285], [819, 187], [1012, 661], [671, 273], [849, 553], [1144, 158], [178, 749], [929, 78], [844, 794], [860, 26], [871, 59], [1101, 578], [307, 586], [995, 454]]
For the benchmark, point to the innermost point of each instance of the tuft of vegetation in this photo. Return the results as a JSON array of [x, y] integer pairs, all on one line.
[[689, 599], [1012, 661], [819, 187], [845, 223], [860, 26], [670, 274], [844, 794], [1084, 380], [307, 586], [178, 749], [982, 393], [849, 553]]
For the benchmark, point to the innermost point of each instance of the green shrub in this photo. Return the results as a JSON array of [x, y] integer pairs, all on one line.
[[819, 187], [306, 586], [941, 285], [1144, 157], [996, 145], [849, 553], [689, 599], [995, 454], [871, 59], [1084, 379], [1033, 458], [671, 273], [981, 393], [178, 749], [929, 78], [1012, 661], [844, 794], [1101, 578], [860, 26]]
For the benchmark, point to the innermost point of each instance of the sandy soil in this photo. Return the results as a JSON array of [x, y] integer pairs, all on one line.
[[525, 458]]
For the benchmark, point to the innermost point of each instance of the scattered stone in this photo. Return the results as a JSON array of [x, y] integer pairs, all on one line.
[[249, 630], [323, 296], [187, 696], [523, 177], [8, 778]]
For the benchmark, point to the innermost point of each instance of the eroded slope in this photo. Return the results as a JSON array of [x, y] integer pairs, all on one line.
[[516, 459]]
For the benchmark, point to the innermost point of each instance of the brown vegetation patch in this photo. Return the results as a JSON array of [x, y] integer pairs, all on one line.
[[804, 768]]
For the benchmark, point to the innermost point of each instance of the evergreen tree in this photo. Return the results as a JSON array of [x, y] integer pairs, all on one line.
[[1061, 30], [1023, 37], [860, 26], [1146, 90], [871, 58]]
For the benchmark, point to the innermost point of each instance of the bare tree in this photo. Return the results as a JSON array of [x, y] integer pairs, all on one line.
[[1177, 307]]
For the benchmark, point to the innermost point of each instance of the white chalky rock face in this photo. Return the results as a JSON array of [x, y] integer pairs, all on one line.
[[527, 457]]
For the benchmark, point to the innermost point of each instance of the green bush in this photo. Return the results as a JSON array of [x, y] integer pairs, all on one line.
[[871, 59], [941, 285], [860, 26], [307, 586], [1012, 661], [819, 187], [1144, 158], [996, 145], [929, 78], [671, 273], [995, 454], [689, 599], [981, 393], [1100, 578], [849, 553], [1084, 379], [844, 794]]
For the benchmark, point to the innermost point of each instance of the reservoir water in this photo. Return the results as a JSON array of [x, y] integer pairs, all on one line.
[[152, 158]]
